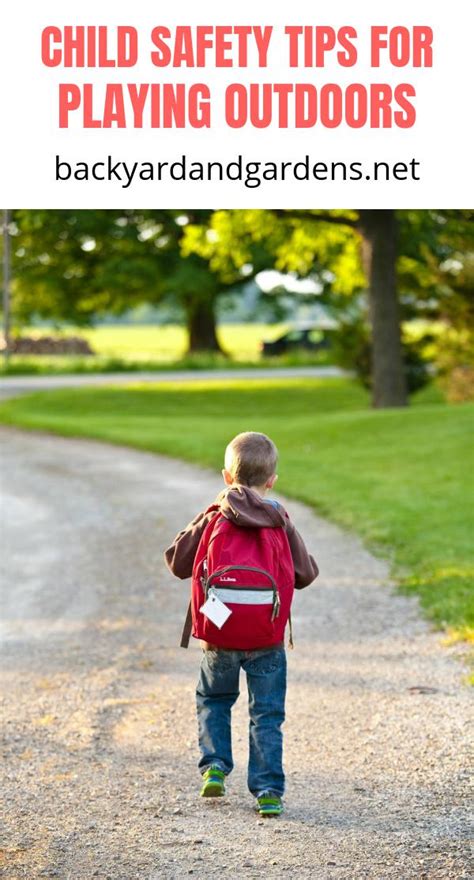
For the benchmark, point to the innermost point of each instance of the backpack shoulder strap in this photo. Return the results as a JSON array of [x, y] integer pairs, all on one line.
[[188, 623], [187, 628]]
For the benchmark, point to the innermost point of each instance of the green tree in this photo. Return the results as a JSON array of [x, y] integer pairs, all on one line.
[[77, 265], [407, 261]]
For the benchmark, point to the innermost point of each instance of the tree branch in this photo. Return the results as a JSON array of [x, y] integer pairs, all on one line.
[[309, 215]]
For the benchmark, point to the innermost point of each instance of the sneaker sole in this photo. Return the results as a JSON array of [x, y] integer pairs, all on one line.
[[270, 814], [212, 790]]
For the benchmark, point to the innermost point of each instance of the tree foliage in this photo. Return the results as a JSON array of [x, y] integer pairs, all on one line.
[[75, 265], [435, 261]]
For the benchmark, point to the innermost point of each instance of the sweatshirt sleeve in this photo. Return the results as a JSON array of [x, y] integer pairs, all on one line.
[[306, 569], [179, 556]]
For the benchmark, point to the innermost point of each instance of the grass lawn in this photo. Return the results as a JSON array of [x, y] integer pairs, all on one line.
[[402, 479], [169, 342], [133, 347]]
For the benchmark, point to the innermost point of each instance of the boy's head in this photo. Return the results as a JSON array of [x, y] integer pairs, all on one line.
[[251, 460]]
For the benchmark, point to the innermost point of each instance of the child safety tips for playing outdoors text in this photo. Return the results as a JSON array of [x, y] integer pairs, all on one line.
[[377, 104]]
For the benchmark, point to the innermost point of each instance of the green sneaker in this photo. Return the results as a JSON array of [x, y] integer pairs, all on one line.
[[269, 804], [213, 782]]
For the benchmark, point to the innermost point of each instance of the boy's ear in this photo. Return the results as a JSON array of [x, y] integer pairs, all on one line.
[[271, 481], [228, 479]]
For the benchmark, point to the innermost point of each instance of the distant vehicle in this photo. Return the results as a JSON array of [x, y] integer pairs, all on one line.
[[303, 338]]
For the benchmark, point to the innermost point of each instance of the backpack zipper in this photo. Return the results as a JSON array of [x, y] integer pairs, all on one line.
[[208, 582], [250, 587], [227, 568]]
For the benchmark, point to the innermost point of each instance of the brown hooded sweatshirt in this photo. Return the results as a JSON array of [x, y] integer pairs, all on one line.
[[247, 509]]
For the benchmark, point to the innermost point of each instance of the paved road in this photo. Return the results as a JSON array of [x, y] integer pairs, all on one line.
[[98, 748], [12, 386]]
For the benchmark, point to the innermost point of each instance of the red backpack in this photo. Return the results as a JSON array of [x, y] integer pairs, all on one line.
[[251, 571]]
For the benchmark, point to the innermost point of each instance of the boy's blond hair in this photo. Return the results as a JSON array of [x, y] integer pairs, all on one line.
[[251, 458]]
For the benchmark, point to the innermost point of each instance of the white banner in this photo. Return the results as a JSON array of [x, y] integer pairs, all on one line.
[[115, 105]]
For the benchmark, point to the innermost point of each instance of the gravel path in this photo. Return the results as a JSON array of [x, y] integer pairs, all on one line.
[[99, 750]]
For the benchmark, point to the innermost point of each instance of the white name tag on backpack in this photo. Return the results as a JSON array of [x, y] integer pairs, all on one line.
[[215, 610]]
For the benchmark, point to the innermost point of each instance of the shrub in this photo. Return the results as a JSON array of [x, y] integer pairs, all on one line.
[[454, 358], [352, 350]]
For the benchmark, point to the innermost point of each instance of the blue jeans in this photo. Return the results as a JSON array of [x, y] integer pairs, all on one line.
[[216, 693]]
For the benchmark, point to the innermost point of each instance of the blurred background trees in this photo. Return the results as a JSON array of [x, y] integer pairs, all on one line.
[[398, 284]]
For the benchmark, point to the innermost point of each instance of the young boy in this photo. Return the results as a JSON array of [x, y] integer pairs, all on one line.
[[249, 472]]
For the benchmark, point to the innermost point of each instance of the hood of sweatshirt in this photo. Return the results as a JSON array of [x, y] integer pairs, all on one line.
[[246, 508]]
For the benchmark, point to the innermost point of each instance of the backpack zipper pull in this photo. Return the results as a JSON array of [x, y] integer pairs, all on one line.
[[276, 606], [204, 578]]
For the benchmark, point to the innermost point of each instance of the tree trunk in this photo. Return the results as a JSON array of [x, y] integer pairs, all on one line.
[[379, 231], [201, 324], [6, 283]]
